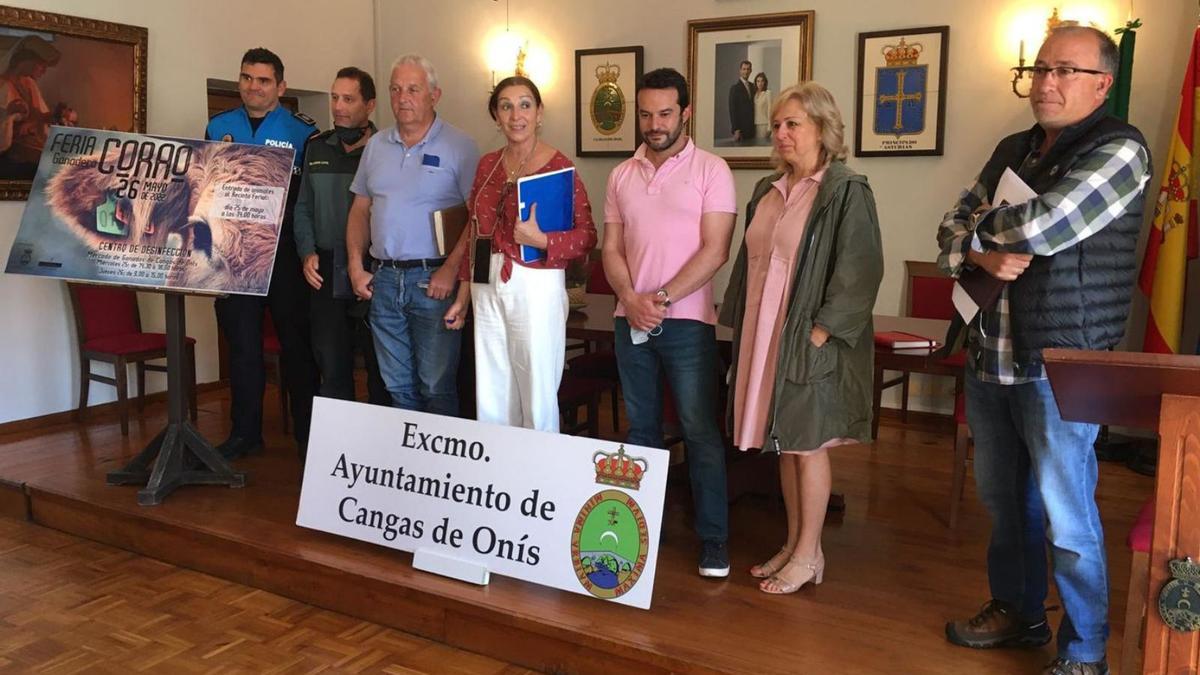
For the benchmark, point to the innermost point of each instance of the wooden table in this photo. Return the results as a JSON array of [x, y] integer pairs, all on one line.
[[910, 360], [594, 322]]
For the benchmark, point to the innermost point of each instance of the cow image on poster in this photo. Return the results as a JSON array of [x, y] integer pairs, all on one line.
[[225, 254]]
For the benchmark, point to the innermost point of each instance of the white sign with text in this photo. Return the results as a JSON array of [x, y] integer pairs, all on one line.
[[575, 513]]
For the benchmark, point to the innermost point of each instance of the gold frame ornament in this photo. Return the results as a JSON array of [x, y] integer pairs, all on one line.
[[606, 93]]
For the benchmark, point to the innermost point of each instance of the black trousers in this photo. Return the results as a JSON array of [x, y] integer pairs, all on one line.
[[339, 328], [240, 319]]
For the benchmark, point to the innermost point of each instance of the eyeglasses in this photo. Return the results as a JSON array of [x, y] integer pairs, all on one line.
[[1060, 72]]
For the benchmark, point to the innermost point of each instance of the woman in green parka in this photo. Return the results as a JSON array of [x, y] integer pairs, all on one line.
[[800, 301]]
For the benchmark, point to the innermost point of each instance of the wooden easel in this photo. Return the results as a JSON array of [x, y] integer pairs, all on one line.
[[181, 456]]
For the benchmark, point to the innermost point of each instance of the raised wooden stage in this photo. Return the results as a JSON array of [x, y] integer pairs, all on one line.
[[895, 572]]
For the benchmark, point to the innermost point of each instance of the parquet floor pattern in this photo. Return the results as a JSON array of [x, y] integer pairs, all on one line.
[[69, 605]]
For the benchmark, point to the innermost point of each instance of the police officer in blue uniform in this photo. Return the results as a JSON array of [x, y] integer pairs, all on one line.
[[262, 121]]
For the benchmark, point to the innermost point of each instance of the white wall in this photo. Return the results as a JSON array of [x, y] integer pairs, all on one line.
[[188, 43], [912, 192], [191, 41]]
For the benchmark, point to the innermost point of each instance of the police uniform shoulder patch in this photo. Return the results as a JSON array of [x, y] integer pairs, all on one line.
[[305, 118]]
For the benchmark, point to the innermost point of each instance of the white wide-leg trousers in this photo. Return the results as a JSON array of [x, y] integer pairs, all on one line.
[[520, 342]]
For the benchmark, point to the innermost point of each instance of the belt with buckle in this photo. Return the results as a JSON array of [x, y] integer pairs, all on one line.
[[426, 263]]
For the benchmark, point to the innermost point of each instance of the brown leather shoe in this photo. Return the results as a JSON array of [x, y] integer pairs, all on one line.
[[997, 625]]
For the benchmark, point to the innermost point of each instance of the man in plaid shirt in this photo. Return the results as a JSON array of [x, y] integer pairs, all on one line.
[[1068, 257]]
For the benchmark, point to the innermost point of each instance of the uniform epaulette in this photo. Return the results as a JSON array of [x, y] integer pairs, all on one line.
[[322, 135], [221, 112], [304, 118]]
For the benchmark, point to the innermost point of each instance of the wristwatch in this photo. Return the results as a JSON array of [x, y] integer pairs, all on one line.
[[666, 297]]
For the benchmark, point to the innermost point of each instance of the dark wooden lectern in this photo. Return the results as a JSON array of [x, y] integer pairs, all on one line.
[[1148, 391]]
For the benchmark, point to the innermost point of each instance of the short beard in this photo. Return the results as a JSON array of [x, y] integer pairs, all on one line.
[[671, 138]]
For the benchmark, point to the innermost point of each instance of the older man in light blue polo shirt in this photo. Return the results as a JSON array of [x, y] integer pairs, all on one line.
[[421, 165]]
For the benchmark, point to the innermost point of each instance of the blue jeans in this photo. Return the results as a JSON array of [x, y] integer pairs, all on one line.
[[686, 352], [418, 356], [1036, 475]]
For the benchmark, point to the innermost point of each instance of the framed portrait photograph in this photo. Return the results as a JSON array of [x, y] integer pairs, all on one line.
[[736, 65], [68, 71], [901, 103], [605, 101]]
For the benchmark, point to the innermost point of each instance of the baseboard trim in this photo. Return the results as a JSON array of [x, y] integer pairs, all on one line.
[[99, 410]]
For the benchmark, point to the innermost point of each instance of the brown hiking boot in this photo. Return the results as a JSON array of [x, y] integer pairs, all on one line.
[[997, 625], [1061, 666]]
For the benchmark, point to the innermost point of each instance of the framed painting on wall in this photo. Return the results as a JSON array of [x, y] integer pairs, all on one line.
[[736, 65], [901, 104], [64, 70], [605, 101]]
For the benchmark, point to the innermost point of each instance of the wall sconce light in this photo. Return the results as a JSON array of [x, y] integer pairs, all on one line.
[[506, 51], [511, 52], [506, 54], [1021, 70]]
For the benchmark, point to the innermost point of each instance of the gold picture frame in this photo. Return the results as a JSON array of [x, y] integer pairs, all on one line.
[[84, 72], [779, 47]]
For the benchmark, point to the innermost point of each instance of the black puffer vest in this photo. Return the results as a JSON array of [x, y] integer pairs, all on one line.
[[1078, 298]]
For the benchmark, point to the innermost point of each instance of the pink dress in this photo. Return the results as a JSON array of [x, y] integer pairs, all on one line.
[[772, 246]]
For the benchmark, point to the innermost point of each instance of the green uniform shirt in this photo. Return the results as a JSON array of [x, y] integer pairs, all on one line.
[[325, 196]]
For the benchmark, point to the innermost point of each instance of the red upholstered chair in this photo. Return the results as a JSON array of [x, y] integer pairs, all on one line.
[[596, 363], [1133, 645], [928, 297], [273, 361], [108, 328]]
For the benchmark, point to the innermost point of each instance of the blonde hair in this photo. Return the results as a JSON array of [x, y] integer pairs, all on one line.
[[818, 104]]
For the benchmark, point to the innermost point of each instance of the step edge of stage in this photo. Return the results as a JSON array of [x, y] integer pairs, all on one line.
[[436, 612], [14, 500]]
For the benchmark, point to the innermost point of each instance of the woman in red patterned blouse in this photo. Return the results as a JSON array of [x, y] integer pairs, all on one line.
[[521, 310]]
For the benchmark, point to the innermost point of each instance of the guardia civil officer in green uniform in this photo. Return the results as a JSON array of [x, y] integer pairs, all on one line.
[[338, 318]]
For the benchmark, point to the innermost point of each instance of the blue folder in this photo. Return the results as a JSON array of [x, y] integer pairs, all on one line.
[[554, 194]]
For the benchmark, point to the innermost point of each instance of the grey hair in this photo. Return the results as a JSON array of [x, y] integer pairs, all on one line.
[[424, 63], [1110, 55]]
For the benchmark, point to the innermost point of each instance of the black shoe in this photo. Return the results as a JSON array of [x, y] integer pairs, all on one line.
[[714, 560], [1061, 666], [236, 446], [997, 625]]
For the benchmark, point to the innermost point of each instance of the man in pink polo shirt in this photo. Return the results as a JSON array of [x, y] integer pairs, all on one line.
[[668, 219]]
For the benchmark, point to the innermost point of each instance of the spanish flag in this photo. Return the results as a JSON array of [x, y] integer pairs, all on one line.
[[1173, 238]]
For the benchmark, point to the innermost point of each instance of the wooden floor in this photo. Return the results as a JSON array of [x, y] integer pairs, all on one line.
[[895, 573], [69, 605]]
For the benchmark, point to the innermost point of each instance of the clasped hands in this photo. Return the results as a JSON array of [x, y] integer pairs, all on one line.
[[644, 311]]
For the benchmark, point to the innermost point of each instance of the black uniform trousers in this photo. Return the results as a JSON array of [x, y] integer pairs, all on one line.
[[240, 319], [339, 328]]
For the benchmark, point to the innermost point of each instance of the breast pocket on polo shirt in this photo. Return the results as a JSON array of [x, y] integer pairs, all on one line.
[[434, 174]]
